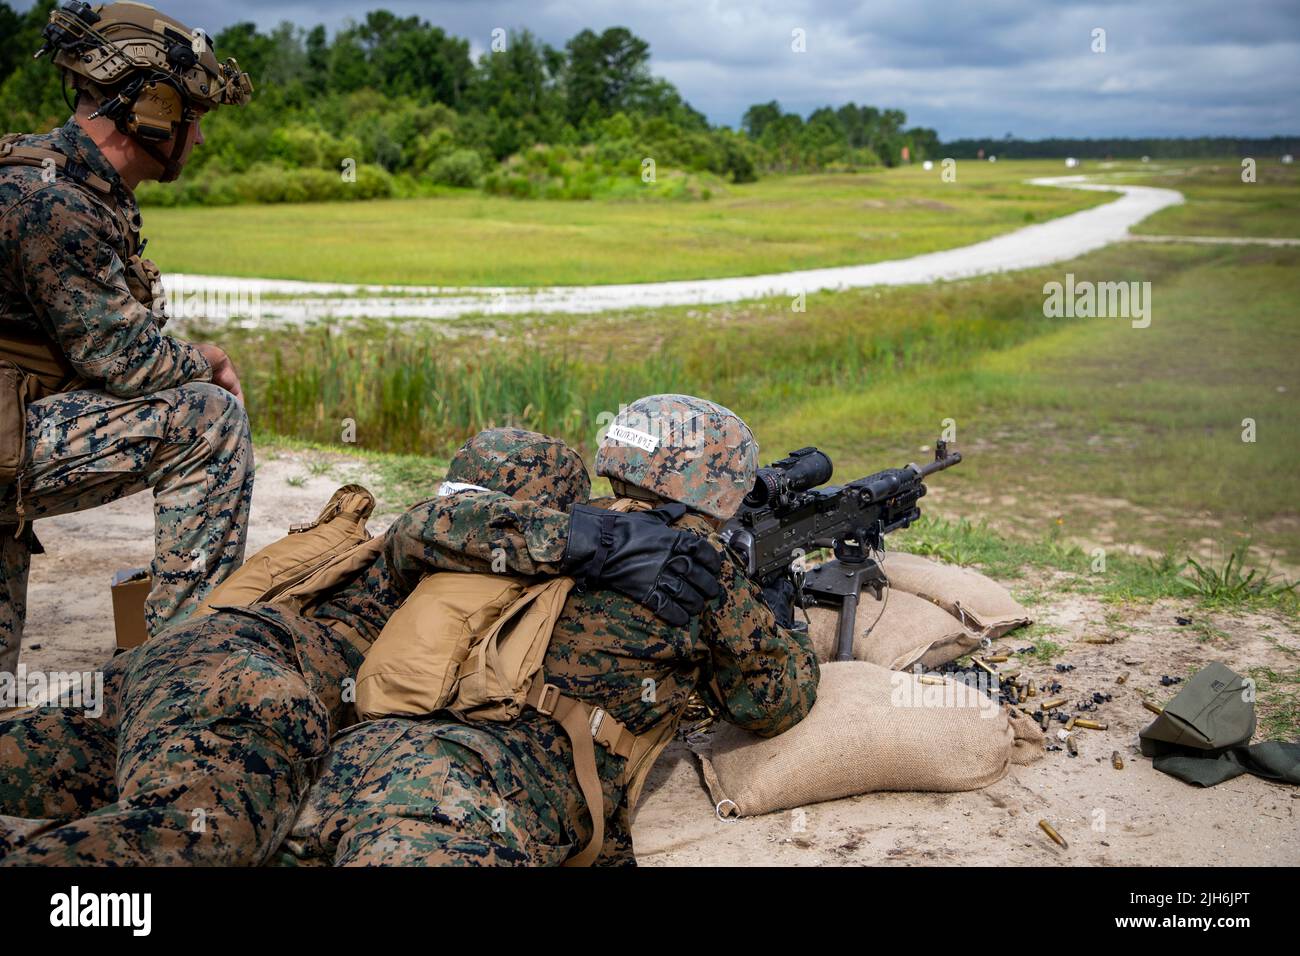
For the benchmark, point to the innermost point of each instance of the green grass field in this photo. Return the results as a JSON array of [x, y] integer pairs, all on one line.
[[1074, 429], [775, 225], [1219, 203], [1069, 424]]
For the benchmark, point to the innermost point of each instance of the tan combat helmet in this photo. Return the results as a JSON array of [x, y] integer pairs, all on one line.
[[152, 73], [680, 448]]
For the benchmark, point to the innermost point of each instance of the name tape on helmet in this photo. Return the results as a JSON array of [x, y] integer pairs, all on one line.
[[632, 436], [455, 487]]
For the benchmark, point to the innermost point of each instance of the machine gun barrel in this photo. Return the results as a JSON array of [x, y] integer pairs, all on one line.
[[943, 459], [886, 484]]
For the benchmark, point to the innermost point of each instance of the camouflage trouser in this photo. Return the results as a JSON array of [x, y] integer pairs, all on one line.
[[224, 721], [190, 445], [403, 792], [58, 763]]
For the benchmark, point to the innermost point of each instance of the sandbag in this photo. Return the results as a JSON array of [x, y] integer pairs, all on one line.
[[871, 729], [909, 630], [978, 601]]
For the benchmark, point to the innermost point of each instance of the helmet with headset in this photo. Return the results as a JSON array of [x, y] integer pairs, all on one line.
[[151, 74]]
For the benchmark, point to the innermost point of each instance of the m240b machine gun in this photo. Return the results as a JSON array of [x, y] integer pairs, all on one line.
[[787, 515]]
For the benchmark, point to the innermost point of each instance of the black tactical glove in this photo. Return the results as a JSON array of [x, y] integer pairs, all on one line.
[[673, 573]]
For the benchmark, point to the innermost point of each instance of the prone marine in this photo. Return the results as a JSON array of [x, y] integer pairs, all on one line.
[[213, 730], [447, 790]]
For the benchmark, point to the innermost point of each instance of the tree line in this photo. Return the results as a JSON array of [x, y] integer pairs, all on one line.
[[394, 105], [1167, 147]]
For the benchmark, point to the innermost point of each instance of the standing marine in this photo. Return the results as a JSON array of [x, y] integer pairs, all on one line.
[[96, 402]]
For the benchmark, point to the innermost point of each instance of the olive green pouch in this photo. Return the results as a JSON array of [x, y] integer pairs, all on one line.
[[14, 391]]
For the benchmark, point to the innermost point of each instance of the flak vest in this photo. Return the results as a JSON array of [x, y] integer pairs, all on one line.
[[473, 646]]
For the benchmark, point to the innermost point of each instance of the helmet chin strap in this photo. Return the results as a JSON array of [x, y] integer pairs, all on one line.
[[171, 164], [624, 490]]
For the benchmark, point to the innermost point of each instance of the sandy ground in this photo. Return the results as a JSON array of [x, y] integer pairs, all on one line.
[[1057, 240], [1109, 817]]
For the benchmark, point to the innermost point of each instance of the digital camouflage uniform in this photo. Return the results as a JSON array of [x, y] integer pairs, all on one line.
[[58, 763], [221, 722], [241, 757], [147, 416], [213, 729], [399, 791]]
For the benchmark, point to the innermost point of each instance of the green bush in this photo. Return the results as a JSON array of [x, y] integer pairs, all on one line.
[[297, 145], [270, 183], [461, 168]]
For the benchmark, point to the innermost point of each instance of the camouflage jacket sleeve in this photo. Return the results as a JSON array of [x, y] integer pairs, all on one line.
[[762, 677], [475, 531], [76, 282], [470, 531]]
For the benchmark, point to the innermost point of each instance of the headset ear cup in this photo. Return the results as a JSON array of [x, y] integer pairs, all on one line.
[[156, 112]]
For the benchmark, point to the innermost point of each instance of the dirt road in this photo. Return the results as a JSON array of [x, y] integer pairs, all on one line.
[[1057, 240]]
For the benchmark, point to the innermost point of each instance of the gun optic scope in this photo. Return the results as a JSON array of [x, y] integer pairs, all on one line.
[[803, 469]]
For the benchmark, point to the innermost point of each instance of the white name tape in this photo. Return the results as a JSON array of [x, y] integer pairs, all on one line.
[[632, 436], [452, 487]]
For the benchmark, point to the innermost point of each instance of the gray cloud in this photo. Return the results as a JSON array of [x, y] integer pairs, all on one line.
[[1171, 67]]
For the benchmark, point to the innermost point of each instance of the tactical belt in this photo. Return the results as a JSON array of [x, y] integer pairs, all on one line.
[[31, 367], [40, 357]]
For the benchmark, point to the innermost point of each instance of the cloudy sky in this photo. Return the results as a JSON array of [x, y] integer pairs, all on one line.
[[973, 68]]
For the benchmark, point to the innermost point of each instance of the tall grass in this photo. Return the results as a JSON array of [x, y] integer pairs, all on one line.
[[423, 391], [405, 394], [1234, 583]]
